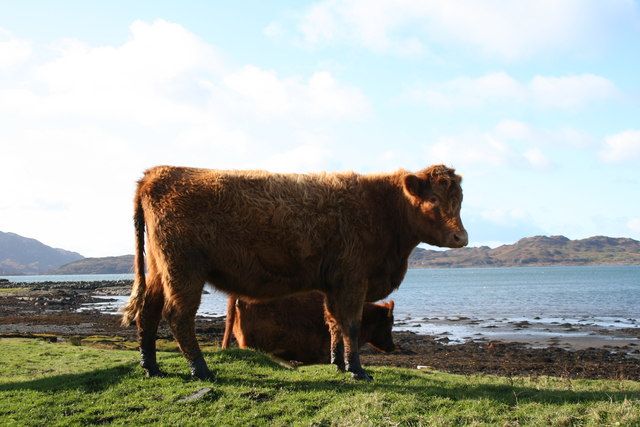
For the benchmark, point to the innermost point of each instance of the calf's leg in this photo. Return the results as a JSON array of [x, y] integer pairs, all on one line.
[[147, 323], [336, 350], [181, 315]]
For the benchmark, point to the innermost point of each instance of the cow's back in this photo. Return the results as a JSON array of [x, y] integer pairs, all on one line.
[[240, 230]]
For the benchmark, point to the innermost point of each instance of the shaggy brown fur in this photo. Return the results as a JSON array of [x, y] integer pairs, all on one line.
[[260, 235], [294, 328]]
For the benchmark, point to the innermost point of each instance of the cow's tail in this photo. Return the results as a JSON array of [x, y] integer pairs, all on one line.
[[231, 318], [131, 310]]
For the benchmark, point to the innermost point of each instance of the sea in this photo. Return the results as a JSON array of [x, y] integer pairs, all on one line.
[[462, 303]]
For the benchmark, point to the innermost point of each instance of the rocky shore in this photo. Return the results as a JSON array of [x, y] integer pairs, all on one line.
[[51, 310]]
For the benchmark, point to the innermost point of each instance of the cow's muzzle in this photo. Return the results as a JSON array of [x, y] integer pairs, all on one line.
[[459, 239]]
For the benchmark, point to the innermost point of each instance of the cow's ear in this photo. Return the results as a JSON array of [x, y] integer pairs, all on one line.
[[411, 185], [416, 187], [390, 306]]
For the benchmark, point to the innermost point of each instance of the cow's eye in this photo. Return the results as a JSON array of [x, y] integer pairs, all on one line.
[[433, 200]]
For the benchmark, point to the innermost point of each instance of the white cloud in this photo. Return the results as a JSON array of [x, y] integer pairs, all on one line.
[[319, 96], [165, 74], [81, 123], [145, 80], [622, 147], [470, 92], [536, 158], [156, 53], [509, 143], [307, 157], [262, 89], [514, 129], [566, 92], [535, 139], [501, 28], [571, 91], [13, 51], [468, 149]]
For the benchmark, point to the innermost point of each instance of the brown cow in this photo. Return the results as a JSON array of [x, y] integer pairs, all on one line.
[[260, 235], [294, 328]]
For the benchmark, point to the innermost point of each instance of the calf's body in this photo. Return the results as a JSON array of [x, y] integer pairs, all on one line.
[[261, 235], [294, 327]]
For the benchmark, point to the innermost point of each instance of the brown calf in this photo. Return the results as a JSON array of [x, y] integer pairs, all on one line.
[[294, 328], [260, 235]]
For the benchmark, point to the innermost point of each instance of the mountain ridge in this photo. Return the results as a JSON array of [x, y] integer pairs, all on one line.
[[535, 251], [122, 264], [528, 251], [21, 255]]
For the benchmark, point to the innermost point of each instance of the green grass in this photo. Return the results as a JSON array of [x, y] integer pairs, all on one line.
[[43, 383]]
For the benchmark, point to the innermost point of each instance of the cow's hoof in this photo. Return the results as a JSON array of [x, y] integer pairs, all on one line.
[[153, 370], [340, 368], [154, 373], [204, 376], [361, 375], [200, 370]]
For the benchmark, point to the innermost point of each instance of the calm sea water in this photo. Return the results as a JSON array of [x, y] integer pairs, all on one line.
[[522, 292], [604, 296]]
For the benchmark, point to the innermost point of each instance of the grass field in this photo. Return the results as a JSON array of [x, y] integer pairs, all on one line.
[[43, 383]]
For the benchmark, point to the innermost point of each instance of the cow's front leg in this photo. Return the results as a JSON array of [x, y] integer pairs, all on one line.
[[352, 353], [346, 311]]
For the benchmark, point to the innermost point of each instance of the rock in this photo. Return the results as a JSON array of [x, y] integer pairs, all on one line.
[[195, 396]]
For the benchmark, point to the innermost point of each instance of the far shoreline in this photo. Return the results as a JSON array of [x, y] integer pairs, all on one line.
[[9, 277]]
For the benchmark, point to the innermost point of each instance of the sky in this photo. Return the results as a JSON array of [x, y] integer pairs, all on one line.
[[536, 103]]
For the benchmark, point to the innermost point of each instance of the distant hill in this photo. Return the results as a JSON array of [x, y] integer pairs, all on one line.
[[530, 251], [22, 255], [107, 265], [535, 251]]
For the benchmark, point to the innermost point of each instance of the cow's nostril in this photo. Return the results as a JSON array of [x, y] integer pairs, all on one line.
[[460, 238]]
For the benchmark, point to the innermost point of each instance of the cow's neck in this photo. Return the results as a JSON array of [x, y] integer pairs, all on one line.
[[386, 191], [396, 241]]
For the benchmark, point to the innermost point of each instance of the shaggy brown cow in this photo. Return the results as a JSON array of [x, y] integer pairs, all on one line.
[[260, 235], [294, 328]]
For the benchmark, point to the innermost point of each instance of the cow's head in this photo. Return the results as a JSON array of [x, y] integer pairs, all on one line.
[[434, 196], [381, 337]]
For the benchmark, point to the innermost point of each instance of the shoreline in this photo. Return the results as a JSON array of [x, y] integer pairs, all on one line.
[[64, 312], [570, 334]]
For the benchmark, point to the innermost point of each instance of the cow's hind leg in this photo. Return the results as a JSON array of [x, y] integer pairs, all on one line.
[[147, 323], [347, 311], [180, 312]]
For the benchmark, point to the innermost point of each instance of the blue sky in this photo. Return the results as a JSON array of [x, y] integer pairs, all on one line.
[[536, 103]]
